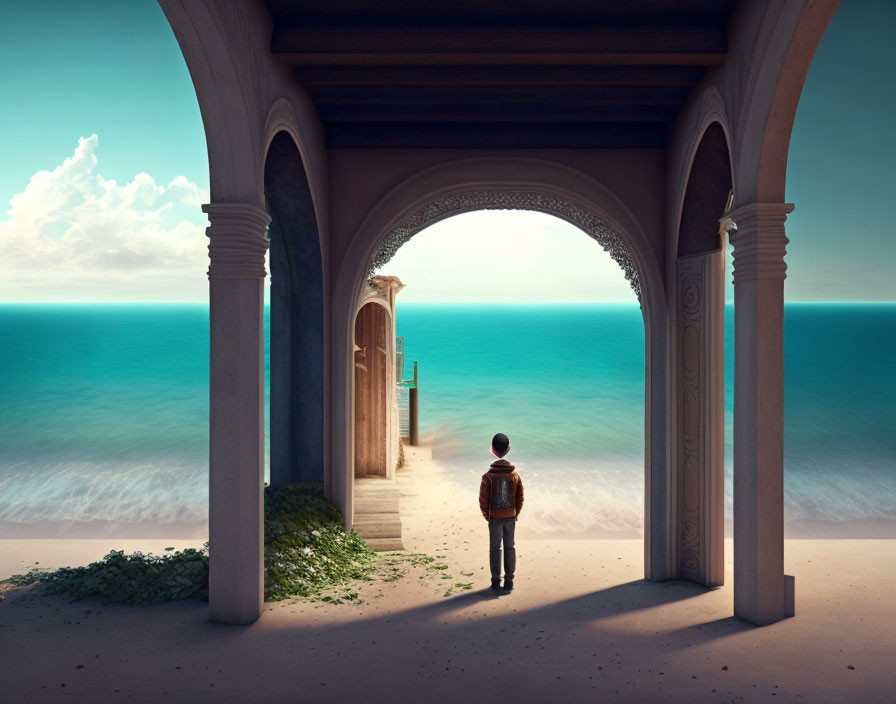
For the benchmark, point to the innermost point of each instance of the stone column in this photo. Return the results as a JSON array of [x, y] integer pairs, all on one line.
[[762, 594], [237, 246]]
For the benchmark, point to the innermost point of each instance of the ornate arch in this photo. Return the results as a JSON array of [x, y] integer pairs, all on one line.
[[490, 183], [507, 199]]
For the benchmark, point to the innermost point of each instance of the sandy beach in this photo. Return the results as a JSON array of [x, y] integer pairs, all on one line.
[[581, 625]]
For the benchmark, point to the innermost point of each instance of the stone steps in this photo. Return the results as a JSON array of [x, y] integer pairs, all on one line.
[[384, 544], [377, 518], [378, 525], [377, 504]]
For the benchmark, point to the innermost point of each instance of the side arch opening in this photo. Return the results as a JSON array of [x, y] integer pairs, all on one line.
[[296, 320]]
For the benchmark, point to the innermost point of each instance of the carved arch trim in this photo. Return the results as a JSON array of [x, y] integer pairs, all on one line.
[[282, 117], [446, 206]]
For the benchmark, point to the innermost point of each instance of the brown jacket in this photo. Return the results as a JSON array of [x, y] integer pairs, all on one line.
[[501, 491]]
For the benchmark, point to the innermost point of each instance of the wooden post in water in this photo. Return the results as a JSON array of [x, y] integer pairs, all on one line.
[[412, 410]]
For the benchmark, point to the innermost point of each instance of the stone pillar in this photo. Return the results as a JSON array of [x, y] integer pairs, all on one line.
[[237, 246], [701, 418], [762, 595]]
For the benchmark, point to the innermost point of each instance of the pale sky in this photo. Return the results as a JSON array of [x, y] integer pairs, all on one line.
[[501, 255], [103, 168]]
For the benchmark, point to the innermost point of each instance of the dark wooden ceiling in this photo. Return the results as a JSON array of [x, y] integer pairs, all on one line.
[[494, 73]]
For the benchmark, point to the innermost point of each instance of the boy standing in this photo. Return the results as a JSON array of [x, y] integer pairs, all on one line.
[[501, 500]]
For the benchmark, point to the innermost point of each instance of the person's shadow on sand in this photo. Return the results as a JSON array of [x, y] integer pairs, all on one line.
[[612, 601]]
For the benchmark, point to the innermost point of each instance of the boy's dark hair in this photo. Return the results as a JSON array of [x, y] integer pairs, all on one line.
[[500, 443]]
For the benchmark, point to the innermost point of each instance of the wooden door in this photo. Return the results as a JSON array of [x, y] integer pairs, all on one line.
[[371, 391]]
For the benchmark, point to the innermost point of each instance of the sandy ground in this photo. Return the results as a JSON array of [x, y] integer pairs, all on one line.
[[581, 625]]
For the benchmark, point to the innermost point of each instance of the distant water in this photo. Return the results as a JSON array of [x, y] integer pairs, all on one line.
[[104, 413], [566, 384]]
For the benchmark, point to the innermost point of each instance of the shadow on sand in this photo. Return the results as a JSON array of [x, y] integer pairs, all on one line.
[[578, 613]]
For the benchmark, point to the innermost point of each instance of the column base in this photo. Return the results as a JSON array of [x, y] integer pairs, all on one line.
[[766, 614], [789, 595]]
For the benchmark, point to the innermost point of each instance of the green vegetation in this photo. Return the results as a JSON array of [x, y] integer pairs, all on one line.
[[392, 566], [307, 553], [136, 579], [306, 548]]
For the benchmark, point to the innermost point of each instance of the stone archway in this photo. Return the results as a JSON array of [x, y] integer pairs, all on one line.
[[449, 205], [246, 94], [627, 246]]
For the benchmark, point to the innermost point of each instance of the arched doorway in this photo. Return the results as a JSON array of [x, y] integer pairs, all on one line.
[[477, 357], [522, 324], [372, 391], [574, 198]]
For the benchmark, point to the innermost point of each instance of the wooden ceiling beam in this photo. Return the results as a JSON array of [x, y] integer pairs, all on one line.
[[500, 11], [519, 95], [410, 135], [705, 59], [493, 113], [499, 45], [312, 76]]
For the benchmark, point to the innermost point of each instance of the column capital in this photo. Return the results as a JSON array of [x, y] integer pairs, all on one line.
[[759, 241], [238, 240]]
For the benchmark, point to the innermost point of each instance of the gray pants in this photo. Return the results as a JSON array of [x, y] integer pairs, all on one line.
[[501, 529]]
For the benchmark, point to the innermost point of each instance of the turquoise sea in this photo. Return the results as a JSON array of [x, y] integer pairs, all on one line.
[[103, 413]]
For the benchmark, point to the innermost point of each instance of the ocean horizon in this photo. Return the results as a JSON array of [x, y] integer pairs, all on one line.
[[104, 413]]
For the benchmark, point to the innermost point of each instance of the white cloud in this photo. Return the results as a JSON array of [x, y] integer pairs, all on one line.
[[73, 235], [500, 255]]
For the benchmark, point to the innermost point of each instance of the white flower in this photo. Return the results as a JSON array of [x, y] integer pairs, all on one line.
[[315, 533], [311, 569], [307, 550]]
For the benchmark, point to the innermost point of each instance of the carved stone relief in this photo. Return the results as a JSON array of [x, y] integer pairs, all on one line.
[[691, 414], [457, 203]]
